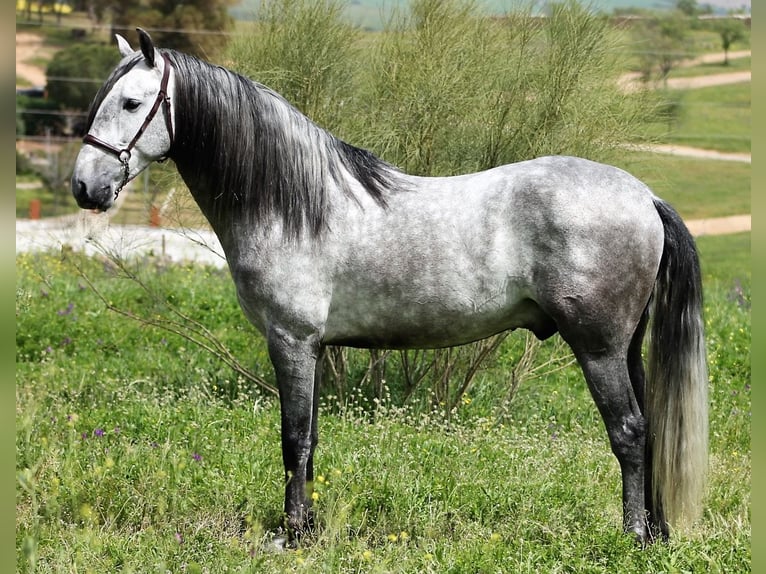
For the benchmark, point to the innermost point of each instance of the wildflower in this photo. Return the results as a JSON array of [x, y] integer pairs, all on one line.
[[315, 496], [66, 311], [367, 555], [467, 400], [392, 537], [109, 462], [321, 479], [494, 537], [179, 538], [404, 535], [197, 457], [98, 433], [86, 512]]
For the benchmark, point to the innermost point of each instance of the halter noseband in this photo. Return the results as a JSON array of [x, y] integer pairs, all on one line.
[[124, 154]]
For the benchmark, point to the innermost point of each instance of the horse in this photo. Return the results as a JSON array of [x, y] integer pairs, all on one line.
[[328, 244]]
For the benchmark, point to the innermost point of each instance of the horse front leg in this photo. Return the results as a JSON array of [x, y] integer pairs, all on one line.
[[295, 365]]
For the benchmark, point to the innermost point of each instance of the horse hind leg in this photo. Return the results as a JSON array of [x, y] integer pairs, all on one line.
[[658, 526], [611, 385]]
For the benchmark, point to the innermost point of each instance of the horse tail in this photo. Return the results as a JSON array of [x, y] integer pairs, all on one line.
[[677, 381]]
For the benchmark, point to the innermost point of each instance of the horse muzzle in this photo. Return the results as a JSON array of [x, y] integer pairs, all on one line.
[[100, 199]]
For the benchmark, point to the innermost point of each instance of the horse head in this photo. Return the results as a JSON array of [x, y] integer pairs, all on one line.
[[125, 133]]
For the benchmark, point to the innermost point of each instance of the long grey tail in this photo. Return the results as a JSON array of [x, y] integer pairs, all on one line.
[[677, 380]]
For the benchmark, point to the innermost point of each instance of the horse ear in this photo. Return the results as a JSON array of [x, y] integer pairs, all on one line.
[[147, 46], [123, 46]]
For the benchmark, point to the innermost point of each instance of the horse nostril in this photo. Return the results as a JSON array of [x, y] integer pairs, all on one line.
[[79, 189]]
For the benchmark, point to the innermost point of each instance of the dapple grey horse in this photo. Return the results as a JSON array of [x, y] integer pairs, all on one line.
[[329, 245]]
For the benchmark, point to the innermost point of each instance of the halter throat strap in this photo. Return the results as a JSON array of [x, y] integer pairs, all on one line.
[[162, 99]]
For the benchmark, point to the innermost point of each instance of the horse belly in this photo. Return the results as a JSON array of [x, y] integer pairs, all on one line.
[[396, 319]]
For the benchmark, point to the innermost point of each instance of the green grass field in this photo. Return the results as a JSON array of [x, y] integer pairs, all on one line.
[[716, 118], [137, 452], [696, 188]]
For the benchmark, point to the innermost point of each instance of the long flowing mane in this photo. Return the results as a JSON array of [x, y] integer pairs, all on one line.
[[253, 153]]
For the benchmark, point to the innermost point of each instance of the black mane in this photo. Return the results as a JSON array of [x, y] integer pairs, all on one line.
[[245, 150]]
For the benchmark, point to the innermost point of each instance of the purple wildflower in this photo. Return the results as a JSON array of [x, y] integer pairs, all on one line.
[[66, 311], [98, 432], [197, 457]]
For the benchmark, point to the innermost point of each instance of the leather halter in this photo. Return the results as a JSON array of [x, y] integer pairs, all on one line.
[[124, 154]]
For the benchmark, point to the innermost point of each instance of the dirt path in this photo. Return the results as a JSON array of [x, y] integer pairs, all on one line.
[[28, 48], [632, 81], [685, 151], [719, 225]]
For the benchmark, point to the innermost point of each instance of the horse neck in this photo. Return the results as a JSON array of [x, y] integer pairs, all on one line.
[[245, 153]]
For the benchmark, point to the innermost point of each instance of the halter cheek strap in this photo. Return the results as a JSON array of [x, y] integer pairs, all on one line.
[[123, 155]]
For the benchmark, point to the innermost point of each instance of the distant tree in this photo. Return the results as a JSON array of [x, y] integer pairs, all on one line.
[[75, 74], [687, 7], [731, 30], [195, 26], [666, 44]]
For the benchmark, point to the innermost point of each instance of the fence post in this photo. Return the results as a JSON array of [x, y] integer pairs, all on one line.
[[34, 209], [154, 216]]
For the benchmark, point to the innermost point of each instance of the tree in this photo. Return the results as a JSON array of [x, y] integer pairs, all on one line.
[[75, 74], [731, 30], [666, 43], [687, 7], [196, 27]]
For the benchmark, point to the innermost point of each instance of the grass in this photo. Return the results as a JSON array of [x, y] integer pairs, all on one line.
[[138, 452], [696, 188], [716, 118], [735, 65]]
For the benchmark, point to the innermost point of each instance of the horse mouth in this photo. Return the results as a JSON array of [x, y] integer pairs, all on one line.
[[100, 201]]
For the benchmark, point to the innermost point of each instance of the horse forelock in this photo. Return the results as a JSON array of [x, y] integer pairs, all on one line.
[[250, 152], [119, 72]]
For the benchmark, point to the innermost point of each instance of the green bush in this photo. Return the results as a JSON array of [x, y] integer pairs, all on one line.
[[444, 88]]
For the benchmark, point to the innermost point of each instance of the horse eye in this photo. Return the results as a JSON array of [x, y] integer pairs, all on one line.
[[131, 105]]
